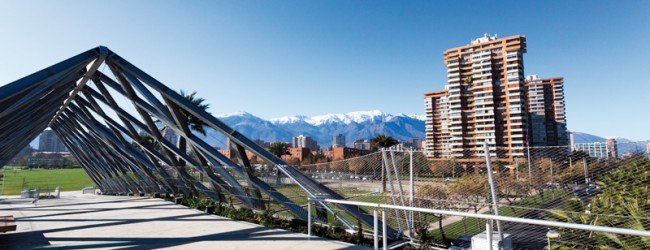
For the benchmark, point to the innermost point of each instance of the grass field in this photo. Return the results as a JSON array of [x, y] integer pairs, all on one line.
[[68, 179], [474, 226]]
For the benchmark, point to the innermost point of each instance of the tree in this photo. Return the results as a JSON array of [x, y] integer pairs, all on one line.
[[193, 123], [358, 164], [420, 164], [429, 196], [510, 189], [305, 162], [574, 212], [147, 140], [382, 141], [279, 149], [472, 189], [338, 166], [469, 80], [442, 168], [623, 203], [294, 161]]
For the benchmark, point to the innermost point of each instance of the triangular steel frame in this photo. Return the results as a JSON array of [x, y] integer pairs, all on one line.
[[72, 98]]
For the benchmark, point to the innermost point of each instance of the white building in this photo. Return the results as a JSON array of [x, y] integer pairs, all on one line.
[[303, 141], [596, 149]]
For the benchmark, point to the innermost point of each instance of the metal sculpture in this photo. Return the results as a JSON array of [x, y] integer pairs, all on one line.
[[76, 100]]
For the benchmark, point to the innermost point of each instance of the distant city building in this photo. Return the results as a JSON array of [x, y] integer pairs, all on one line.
[[437, 143], [262, 143], [398, 147], [338, 141], [647, 149], [596, 149], [546, 108], [345, 153], [303, 141], [362, 144], [413, 143], [231, 153], [49, 142], [52, 159], [299, 153], [612, 147], [170, 136], [142, 133]]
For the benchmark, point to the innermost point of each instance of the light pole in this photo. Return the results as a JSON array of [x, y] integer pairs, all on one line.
[[552, 234]]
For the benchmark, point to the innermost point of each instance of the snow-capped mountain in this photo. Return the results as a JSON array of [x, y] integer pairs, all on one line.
[[354, 125], [358, 117]]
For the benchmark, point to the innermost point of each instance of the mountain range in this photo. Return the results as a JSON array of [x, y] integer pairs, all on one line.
[[353, 125], [624, 145]]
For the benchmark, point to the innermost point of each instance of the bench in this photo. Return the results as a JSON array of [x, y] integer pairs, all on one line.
[[7, 223], [89, 190]]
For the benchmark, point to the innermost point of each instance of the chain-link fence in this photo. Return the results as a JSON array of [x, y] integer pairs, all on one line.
[[605, 185]]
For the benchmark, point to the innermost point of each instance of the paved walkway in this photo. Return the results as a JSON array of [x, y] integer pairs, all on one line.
[[77, 221]]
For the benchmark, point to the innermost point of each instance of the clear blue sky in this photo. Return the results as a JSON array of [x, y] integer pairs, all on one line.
[[276, 58]]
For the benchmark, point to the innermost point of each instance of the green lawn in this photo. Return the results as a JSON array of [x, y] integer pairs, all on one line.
[[68, 179], [474, 226]]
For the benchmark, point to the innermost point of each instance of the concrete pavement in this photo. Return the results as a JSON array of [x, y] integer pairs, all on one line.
[[77, 221]]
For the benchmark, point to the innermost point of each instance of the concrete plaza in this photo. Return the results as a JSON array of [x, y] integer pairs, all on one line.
[[77, 221]]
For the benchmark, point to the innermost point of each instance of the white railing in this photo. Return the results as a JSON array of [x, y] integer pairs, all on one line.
[[490, 217]]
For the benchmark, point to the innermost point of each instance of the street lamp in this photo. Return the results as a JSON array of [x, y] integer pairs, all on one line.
[[552, 234]]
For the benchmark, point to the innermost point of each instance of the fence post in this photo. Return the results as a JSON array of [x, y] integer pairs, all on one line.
[[383, 228], [383, 174], [488, 232], [308, 218], [375, 229], [493, 193]]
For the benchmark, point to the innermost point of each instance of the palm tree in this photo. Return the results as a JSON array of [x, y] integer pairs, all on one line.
[[382, 141], [194, 123], [148, 141]]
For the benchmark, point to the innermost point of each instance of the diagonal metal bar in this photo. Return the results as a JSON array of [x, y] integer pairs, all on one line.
[[114, 153], [103, 52]]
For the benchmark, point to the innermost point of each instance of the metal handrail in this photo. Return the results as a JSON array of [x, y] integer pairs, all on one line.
[[377, 206]]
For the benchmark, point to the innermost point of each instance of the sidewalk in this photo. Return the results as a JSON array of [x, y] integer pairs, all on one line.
[[78, 221]]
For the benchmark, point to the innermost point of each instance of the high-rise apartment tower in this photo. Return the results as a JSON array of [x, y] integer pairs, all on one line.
[[484, 100], [49, 142], [338, 141], [547, 114]]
